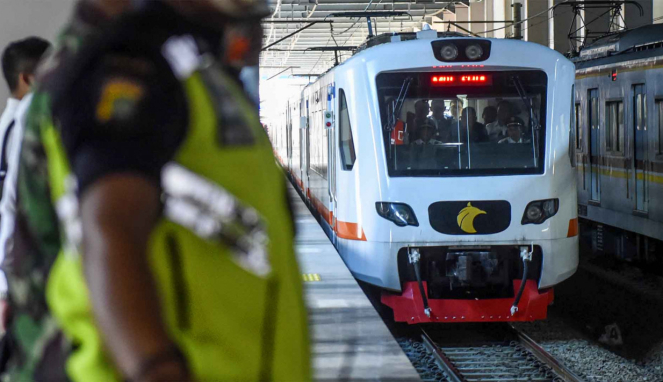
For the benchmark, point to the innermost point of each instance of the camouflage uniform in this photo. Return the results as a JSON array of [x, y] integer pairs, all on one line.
[[38, 348], [129, 99]]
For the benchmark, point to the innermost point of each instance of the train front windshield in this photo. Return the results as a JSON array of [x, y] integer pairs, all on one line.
[[463, 124]]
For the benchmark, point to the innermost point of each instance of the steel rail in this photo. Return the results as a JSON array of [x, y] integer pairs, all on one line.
[[452, 373], [546, 358]]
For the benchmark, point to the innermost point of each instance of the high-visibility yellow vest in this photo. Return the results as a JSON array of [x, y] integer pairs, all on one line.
[[236, 314]]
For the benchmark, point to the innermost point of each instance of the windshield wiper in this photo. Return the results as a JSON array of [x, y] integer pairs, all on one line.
[[395, 107], [534, 123]]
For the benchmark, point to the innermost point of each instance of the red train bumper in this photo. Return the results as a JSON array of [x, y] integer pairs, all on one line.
[[409, 307]]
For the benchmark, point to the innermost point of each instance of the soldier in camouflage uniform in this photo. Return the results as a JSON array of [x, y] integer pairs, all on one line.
[[38, 348], [143, 97]]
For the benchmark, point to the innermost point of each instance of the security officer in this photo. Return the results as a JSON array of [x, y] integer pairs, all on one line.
[[173, 256]]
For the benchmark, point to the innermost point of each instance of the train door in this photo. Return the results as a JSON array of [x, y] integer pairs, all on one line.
[[639, 162], [330, 116], [594, 147], [288, 128], [307, 141], [303, 146]]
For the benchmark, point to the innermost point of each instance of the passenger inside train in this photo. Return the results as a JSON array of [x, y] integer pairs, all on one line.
[[438, 108], [463, 145], [417, 120], [469, 125], [489, 114], [497, 129]]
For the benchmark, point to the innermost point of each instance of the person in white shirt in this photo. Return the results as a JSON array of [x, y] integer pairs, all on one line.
[[514, 131], [497, 130], [19, 63]]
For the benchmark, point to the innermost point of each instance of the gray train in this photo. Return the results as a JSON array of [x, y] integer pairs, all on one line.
[[618, 110]]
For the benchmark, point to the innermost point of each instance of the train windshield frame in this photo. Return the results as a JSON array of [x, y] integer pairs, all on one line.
[[421, 140]]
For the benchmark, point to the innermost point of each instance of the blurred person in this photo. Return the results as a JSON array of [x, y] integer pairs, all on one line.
[[497, 129], [442, 123], [136, 148], [19, 62], [489, 115], [454, 110], [514, 132], [417, 120], [469, 123]]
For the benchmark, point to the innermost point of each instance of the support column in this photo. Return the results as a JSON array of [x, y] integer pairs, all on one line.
[[524, 16], [478, 13], [488, 15], [463, 14], [499, 13], [551, 26], [537, 27]]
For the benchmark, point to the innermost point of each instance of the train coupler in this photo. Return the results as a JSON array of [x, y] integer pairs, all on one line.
[[414, 257]]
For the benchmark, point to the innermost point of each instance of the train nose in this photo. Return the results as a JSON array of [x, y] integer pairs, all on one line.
[[470, 217]]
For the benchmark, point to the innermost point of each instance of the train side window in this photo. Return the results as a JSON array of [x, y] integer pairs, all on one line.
[[578, 127], [659, 118], [614, 126], [347, 145]]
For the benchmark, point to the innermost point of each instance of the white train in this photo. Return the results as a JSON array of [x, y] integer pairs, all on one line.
[[440, 169]]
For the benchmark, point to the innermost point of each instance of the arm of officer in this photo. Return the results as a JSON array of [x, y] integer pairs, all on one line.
[[118, 214], [131, 124]]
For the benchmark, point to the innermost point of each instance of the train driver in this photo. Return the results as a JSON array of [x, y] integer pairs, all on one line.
[[514, 132], [426, 135]]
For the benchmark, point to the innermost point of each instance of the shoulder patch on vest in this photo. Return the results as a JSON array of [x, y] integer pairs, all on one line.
[[119, 99], [182, 54]]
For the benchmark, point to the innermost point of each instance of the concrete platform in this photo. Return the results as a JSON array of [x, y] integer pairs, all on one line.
[[350, 341]]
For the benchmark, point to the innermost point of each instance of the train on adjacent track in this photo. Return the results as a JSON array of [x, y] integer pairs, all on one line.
[[455, 219], [619, 144]]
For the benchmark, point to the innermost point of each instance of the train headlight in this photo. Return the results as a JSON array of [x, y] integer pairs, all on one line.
[[473, 52], [449, 52], [534, 213], [399, 213], [539, 211]]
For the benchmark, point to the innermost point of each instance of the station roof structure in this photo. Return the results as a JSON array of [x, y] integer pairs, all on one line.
[[304, 37]]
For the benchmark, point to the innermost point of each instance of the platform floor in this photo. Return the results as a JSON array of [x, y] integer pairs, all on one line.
[[350, 341]]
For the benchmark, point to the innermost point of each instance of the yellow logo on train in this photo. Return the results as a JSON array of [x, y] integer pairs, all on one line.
[[466, 218]]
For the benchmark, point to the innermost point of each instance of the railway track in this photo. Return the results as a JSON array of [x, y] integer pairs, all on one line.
[[516, 358]]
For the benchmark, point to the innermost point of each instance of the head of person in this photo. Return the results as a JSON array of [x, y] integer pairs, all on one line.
[[427, 132], [504, 112], [453, 108], [468, 117], [19, 63], [489, 114], [421, 109], [514, 129], [438, 107]]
